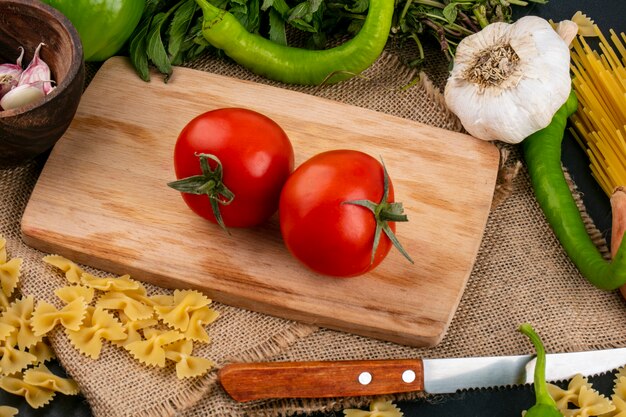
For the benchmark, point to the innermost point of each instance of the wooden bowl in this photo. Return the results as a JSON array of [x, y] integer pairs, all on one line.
[[32, 130]]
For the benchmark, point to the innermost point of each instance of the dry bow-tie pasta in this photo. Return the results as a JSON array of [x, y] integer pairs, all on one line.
[[122, 284], [98, 325], [72, 271], [6, 411], [126, 316], [176, 311], [134, 309], [152, 351], [19, 315], [14, 360], [35, 396], [580, 399], [22, 352], [43, 378], [72, 292], [187, 366], [46, 316], [9, 271], [378, 408]]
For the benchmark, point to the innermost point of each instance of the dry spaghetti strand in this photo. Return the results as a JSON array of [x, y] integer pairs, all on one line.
[[599, 80]]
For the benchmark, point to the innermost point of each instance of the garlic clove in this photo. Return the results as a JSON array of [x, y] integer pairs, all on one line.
[[21, 95], [37, 71], [10, 74]]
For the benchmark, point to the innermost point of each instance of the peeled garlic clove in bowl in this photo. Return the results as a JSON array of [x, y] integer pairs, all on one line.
[[508, 80]]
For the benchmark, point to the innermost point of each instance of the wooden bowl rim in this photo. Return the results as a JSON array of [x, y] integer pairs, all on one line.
[[76, 56]]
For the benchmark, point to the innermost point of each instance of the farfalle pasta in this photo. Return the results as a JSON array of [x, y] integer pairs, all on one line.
[[134, 309], [19, 315], [151, 351], [46, 316], [9, 274], [42, 352], [580, 399], [123, 314], [35, 396], [14, 360], [179, 308], [72, 271], [41, 376], [22, 352], [7, 411], [187, 366], [133, 328], [120, 284], [378, 408], [99, 325], [72, 292]]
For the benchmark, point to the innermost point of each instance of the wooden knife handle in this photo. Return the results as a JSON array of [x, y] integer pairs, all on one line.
[[323, 379]]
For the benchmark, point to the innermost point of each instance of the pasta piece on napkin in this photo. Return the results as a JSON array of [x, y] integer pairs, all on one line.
[[72, 271], [134, 309], [46, 316], [151, 351], [187, 366], [72, 292], [121, 284], [19, 315], [98, 325], [183, 303]]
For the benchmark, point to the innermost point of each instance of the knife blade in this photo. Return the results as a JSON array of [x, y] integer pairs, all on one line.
[[327, 379]]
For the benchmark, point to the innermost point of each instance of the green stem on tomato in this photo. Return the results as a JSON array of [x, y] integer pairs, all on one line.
[[208, 183], [542, 153], [295, 65], [384, 212]]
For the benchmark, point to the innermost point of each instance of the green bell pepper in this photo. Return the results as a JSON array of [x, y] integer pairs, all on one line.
[[103, 25]]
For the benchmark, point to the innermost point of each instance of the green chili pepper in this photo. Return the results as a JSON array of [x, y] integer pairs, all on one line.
[[542, 153], [295, 65], [545, 406], [103, 25]]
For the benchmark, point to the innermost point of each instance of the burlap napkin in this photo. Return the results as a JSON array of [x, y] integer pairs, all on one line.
[[521, 274]]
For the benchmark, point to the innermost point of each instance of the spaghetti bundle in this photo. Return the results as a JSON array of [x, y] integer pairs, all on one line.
[[599, 80]]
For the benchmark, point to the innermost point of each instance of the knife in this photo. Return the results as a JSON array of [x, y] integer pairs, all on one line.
[[327, 379]]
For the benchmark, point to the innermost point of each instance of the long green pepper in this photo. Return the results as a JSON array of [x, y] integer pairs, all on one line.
[[542, 153], [295, 65]]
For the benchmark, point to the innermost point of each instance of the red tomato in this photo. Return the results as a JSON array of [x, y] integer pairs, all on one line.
[[256, 158], [319, 229]]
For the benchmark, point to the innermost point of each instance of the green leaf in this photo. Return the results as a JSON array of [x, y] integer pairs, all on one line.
[[137, 51], [299, 11], [155, 48], [267, 4], [181, 22], [277, 31], [281, 7], [358, 6], [450, 12]]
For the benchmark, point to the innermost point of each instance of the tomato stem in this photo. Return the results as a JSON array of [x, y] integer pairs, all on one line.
[[208, 183], [384, 212]]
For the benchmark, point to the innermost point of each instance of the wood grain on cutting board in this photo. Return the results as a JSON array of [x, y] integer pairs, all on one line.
[[102, 201]]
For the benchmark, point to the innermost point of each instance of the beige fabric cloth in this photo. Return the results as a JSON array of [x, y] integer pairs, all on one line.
[[521, 275]]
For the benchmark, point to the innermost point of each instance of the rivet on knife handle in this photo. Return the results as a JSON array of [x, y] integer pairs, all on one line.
[[323, 379]]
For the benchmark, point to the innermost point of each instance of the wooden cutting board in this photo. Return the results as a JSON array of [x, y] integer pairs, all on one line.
[[102, 201]]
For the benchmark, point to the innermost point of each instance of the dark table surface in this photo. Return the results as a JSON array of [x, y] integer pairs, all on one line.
[[501, 402]]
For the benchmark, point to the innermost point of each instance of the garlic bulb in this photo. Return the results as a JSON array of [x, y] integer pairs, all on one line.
[[508, 80]]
